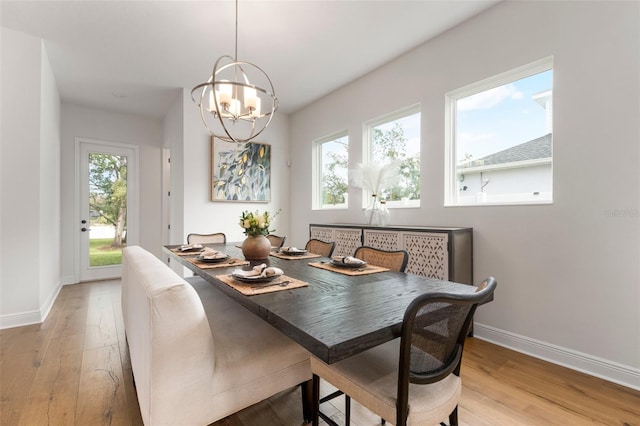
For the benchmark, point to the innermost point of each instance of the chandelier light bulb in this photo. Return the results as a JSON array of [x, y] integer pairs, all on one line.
[[225, 93]]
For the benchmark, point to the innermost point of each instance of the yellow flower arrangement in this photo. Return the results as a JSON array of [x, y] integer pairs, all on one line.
[[256, 223]]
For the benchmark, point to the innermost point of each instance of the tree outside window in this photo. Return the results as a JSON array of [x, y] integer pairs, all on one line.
[[332, 171], [108, 194], [396, 138]]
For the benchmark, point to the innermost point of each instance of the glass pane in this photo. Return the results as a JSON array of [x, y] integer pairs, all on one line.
[[399, 140], [107, 209], [334, 156], [504, 142]]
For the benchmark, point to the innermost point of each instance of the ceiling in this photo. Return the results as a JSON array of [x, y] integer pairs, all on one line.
[[134, 56]]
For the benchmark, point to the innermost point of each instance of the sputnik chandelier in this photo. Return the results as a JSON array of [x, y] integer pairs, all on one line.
[[238, 101]]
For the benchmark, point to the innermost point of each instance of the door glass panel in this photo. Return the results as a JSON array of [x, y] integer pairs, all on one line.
[[107, 209]]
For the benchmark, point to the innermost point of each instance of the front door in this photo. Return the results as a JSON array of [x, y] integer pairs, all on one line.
[[108, 206]]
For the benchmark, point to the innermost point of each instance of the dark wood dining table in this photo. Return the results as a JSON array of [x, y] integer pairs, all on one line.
[[336, 315]]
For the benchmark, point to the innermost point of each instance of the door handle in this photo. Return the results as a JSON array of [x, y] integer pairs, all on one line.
[[85, 229]]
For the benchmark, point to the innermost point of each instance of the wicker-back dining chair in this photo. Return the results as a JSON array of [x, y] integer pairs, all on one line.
[[276, 240], [420, 370], [395, 260], [217, 237], [323, 248]]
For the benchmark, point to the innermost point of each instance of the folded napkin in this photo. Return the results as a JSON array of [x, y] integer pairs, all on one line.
[[186, 247], [348, 260], [292, 249], [209, 253], [258, 271]]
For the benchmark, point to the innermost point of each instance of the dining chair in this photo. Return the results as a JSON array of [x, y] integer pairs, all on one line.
[[396, 260], [323, 248], [420, 370], [276, 241], [217, 237]]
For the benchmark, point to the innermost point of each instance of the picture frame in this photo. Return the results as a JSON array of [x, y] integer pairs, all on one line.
[[240, 172]]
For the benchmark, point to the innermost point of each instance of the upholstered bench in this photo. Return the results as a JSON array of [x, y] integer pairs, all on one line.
[[198, 356]]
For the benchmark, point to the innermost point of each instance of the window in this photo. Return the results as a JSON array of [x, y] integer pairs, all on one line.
[[331, 172], [499, 139], [395, 139]]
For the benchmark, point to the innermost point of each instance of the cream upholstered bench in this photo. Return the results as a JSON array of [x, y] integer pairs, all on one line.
[[198, 356]]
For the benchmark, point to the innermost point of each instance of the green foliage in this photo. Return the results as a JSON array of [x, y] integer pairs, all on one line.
[[108, 192], [256, 223], [334, 186], [392, 145]]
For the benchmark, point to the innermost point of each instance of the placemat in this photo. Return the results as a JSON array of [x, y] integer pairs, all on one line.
[[186, 253], [368, 269], [208, 265], [294, 257], [261, 288]]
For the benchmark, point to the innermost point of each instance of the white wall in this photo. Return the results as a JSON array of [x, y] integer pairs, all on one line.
[[102, 125], [29, 177], [49, 185], [568, 273], [200, 214]]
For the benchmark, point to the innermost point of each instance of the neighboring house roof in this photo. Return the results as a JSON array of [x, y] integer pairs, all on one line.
[[533, 150]]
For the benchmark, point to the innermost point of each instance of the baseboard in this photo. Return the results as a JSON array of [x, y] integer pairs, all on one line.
[[31, 317], [45, 308], [608, 370], [19, 319]]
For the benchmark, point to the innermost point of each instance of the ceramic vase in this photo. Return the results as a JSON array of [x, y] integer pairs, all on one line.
[[256, 248]]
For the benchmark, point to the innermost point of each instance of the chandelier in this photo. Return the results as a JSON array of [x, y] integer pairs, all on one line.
[[238, 101]]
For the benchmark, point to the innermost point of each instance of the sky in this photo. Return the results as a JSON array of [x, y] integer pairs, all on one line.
[[490, 121], [499, 118]]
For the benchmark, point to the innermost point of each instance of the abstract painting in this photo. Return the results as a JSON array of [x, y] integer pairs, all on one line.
[[240, 171]]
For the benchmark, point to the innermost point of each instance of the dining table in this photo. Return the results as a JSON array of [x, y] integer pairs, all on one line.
[[333, 313]]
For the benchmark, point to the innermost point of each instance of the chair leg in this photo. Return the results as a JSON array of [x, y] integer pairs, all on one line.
[[307, 400], [315, 411], [453, 417], [317, 414], [347, 410]]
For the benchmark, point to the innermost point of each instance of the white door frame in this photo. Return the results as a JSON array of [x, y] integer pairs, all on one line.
[[166, 198], [83, 272]]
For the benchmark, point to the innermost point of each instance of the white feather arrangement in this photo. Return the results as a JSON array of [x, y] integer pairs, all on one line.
[[375, 178]]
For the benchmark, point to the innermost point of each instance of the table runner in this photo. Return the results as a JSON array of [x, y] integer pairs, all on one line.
[[261, 288], [294, 257], [208, 265], [368, 269]]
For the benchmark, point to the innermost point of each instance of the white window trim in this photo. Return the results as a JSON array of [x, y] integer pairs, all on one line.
[[366, 151], [316, 170], [450, 182]]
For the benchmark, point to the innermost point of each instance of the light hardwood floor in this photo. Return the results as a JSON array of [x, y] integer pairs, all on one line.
[[74, 369]]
